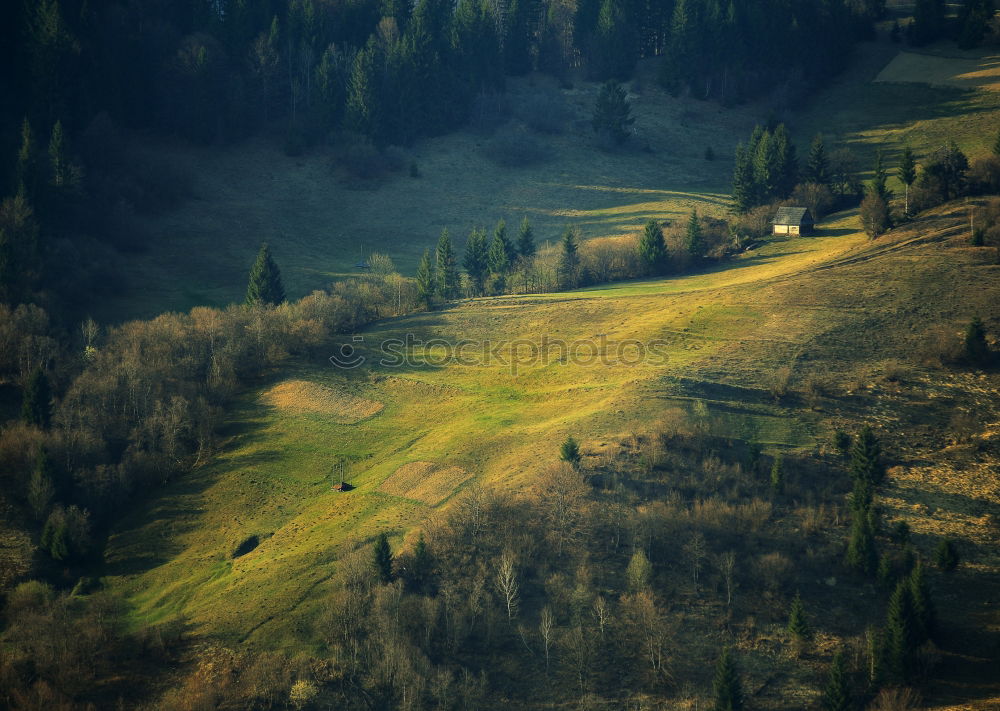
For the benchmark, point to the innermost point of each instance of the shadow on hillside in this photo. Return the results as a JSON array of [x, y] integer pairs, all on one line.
[[152, 534]]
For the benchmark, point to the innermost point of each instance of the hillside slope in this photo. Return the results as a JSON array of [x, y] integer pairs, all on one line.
[[856, 314]]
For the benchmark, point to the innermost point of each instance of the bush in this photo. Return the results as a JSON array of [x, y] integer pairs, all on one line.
[[361, 160], [544, 112], [513, 146]]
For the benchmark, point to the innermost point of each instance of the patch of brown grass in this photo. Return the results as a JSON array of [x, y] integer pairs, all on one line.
[[429, 482], [302, 396]]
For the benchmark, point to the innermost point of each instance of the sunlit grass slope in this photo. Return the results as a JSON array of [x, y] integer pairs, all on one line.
[[825, 304]]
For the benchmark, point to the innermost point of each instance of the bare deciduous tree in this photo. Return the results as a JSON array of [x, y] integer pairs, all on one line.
[[727, 566], [695, 552], [546, 627], [507, 582]]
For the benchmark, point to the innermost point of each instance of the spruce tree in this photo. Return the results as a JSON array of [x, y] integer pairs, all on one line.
[[264, 287], [996, 145], [427, 285], [693, 239], [974, 346], [744, 184], [382, 559], [879, 180], [861, 554], [924, 613], [652, 249], [726, 686], [476, 260], [817, 166], [58, 161], [613, 113], [886, 572], [36, 402], [501, 251], [525, 241], [568, 269], [421, 566], [907, 174], [901, 635], [41, 487], [26, 171], [946, 555], [569, 451], [798, 626], [787, 165], [446, 268], [866, 457], [837, 692]]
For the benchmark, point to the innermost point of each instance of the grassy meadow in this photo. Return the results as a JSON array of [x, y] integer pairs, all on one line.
[[834, 306]]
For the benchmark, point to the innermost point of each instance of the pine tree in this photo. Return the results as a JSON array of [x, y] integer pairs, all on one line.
[[946, 555], [613, 112], [569, 451], [866, 457], [924, 614], [787, 165], [58, 161], [264, 287], [693, 240], [879, 179], [861, 554], [525, 242], [476, 261], [778, 475], [907, 174], [886, 572], [427, 285], [41, 488], [726, 685], [26, 171], [363, 109], [421, 566], [382, 559], [446, 271], [744, 185], [568, 269], [974, 346], [501, 251], [901, 637], [652, 249], [36, 403], [837, 692], [798, 626], [817, 166]]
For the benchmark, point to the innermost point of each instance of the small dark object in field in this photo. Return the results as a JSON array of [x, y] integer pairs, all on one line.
[[414, 170], [709, 153], [246, 546]]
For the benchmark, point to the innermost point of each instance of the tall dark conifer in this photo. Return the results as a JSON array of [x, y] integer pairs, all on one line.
[[817, 166], [837, 692], [726, 686], [476, 260], [446, 267], [652, 249], [264, 287], [36, 403], [382, 559]]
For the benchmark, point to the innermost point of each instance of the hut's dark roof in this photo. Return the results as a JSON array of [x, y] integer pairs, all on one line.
[[792, 216]]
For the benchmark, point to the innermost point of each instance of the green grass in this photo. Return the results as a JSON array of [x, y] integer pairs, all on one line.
[[825, 304]]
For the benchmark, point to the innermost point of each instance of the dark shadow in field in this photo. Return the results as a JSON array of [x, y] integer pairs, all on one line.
[[151, 535]]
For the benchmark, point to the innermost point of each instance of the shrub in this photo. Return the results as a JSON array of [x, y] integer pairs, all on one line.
[[361, 160], [544, 112], [513, 146]]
